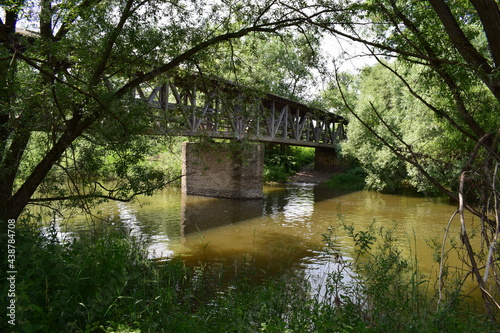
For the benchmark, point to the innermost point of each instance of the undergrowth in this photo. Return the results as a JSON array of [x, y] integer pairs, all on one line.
[[104, 282], [282, 162]]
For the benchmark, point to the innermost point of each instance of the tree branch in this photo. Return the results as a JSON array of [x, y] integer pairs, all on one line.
[[329, 26], [465, 47], [438, 68], [271, 27], [66, 24], [489, 14], [75, 128], [95, 196], [110, 42], [415, 163], [437, 111]]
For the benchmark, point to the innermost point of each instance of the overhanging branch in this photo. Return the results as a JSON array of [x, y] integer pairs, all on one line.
[[95, 196], [269, 27]]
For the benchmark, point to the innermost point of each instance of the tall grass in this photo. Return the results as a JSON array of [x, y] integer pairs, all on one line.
[[104, 282]]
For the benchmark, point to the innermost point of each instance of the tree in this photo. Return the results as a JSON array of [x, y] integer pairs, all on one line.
[[383, 101], [279, 64], [385, 171], [454, 49], [65, 97]]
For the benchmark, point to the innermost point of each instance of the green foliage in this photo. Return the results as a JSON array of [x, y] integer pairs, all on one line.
[[98, 282], [105, 168], [422, 117], [382, 290], [280, 163], [351, 179], [389, 110], [281, 65], [427, 114], [103, 281], [68, 108]]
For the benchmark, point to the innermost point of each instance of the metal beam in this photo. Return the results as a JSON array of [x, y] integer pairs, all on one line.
[[221, 109]]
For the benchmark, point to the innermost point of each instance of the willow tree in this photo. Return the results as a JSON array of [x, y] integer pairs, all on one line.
[[448, 60], [67, 69]]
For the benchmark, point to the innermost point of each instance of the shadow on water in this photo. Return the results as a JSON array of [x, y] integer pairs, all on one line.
[[281, 231], [203, 213]]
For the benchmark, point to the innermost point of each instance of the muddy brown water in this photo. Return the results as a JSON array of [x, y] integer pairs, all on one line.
[[282, 230]]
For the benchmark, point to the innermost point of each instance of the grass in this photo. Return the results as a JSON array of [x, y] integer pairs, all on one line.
[[104, 282]]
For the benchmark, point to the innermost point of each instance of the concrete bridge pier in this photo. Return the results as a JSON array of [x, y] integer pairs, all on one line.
[[224, 170], [326, 159]]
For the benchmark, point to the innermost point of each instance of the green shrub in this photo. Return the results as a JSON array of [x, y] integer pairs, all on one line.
[[352, 179], [280, 163]]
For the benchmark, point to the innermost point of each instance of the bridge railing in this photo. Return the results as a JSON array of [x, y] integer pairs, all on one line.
[[193, 106]]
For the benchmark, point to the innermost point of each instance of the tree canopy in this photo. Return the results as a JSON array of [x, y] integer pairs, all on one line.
[[429, 112], [66, 82]]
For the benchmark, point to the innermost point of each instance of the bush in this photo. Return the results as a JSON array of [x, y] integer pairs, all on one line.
[[352, 179], [279, 164]]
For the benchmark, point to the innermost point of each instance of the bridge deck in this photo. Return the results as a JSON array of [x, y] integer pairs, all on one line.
[[195, 106]]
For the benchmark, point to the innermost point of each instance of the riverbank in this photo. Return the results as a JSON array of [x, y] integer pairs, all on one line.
[[116, 288], [310, 176]]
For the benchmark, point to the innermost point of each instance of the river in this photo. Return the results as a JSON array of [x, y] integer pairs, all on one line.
[[280, 231]]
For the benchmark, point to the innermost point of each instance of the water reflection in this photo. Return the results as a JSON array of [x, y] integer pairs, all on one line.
[[293, 216], [202, 213], [284, 229]]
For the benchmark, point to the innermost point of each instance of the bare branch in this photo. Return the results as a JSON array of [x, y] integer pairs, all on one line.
[[95, 196], [270, 27]]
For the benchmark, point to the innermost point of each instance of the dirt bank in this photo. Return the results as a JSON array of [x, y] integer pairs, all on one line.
[[311, 176]]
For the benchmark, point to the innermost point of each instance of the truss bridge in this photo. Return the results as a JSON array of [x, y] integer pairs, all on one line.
[[197, 106], [193, 105]]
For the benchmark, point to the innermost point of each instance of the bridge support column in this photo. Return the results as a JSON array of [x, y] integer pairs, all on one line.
[[225, 170], [325, 159]]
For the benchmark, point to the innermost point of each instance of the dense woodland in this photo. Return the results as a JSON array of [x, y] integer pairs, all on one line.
[[424, 115]]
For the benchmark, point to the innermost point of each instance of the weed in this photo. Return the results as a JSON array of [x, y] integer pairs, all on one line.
[[385, 290], [104, 282]]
